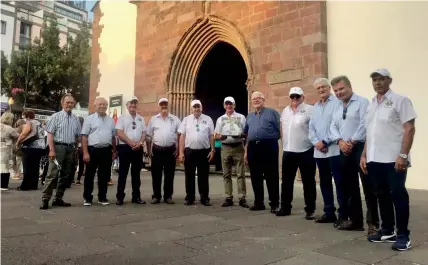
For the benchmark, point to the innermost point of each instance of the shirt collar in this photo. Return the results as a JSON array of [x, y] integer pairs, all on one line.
[[354, 97], [387, 95], [261, 110]]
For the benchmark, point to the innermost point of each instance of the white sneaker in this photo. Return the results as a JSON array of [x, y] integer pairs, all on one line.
[[104, 202], [4, 189], [87, 203]]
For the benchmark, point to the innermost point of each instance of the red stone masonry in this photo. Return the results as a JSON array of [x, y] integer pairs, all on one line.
[[95, 56]]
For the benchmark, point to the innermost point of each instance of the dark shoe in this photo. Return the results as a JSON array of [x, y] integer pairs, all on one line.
[[403, 243], [228, 202], [338, 222], [350, 226], [274, 210], [310, 216], [382, 236], [372, 230], [243, 203], [186, 202], [257, 208], [326, 218], [119, 202], [155, 201], [283, 212], [206, 203], [61, 203], [138, 201], [104, 202], [169, 201], [77, 182], [44, 205]]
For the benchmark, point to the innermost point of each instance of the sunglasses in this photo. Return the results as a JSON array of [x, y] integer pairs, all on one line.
[[133, 125], [345, 110], [295, 96]]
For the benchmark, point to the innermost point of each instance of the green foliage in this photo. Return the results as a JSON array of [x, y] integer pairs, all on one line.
[[52, 70], [4, 66]]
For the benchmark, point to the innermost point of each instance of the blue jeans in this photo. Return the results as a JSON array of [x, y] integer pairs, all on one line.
[[326, 185], [390, 189]]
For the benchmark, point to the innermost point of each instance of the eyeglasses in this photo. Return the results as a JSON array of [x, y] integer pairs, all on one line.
[[133, 125], [197, 127], [295, 96], [345, 110]]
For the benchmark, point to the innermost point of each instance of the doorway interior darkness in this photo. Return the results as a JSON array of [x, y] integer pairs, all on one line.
[[222, 73]]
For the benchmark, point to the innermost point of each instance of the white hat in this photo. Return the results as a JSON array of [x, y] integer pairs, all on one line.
[[162, 100], [229, 99], [382, 72], [133, 98], [296, 90], [195, 102]]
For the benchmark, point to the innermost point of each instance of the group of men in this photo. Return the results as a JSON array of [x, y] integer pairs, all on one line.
[[348, 137]]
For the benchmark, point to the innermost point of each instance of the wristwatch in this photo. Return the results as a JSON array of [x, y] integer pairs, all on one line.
[[404, 156]]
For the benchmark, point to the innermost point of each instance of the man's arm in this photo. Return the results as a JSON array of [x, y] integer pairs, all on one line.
[[122, 136], [51, 145], [85, 148], [409, 134], [360, 134]]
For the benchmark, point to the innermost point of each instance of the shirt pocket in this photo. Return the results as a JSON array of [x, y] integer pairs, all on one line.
[[387, 114], [204, 128]]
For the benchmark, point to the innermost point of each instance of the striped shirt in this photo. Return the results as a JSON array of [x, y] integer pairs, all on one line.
[[64, 126]]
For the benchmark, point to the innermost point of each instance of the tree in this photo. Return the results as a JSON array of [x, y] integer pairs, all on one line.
[[4, 66]]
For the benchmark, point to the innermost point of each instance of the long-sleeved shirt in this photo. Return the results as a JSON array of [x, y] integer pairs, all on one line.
[[348, 122], [263, 125], [319, 126]]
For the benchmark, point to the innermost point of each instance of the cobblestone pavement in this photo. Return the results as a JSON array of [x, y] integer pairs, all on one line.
[[181, 235]]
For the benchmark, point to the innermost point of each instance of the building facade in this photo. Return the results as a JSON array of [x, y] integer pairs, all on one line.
[[211, 49]]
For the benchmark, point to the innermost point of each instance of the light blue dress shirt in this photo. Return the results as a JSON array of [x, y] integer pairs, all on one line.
[[319, 126], [100, 130], [352, 128]]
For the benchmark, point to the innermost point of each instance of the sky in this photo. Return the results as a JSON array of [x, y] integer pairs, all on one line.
[[89, 5]]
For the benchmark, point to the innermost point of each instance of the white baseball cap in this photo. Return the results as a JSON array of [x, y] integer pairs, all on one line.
[[382, 72], [229, 99], [296, 90], [162, 100], [132, 99], [195, 102]]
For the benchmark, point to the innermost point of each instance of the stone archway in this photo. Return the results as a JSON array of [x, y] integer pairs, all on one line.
[[190, 52]]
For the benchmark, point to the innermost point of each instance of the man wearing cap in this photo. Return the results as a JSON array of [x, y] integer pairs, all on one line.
[[196, 151], [298, 154], [262, 129], [229, 128], [348, 131], [162, 146], [130, 129], [390, 126]]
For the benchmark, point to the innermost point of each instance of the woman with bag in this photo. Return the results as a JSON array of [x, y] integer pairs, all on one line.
[[8, 135]]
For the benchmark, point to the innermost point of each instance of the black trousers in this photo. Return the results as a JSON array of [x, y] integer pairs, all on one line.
[[5, 177], [304, 161], [390, 190], [129, 157], [31, 166], [163, 161], [100, 158], [263, 163], [197, 159], [350, 167]]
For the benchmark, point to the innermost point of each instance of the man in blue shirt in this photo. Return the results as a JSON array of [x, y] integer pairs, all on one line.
[[262, 129]]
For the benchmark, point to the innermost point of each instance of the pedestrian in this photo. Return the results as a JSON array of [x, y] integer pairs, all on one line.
[[348, 131], [8, 136], [197, 151], [298, 153], [130, 129], [99, 149], [262, 129], [162, 148], [229, 130], [63, 134], [326, 151], [390, 126]]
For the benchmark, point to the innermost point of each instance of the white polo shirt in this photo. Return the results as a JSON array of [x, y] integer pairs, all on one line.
[[197, 132], [163, 131], [384, 123], [133, 127], [232, 125], [295, 128]]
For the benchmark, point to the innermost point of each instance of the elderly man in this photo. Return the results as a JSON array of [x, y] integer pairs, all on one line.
[[261, 152], [163, 148], [390, 125], [196, 151], [99, 148], [348, 131], [325, 150], [63, 134], [228, 129], [130, 129], [298, 154]]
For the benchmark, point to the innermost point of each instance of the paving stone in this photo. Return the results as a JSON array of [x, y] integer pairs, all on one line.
[[392, 261], [120, 219], [18, 221], [416, 255], [33, 229], [205, 228], [315, 258]]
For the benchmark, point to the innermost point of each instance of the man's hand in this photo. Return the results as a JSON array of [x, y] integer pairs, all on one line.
[[113, 155], [181, 157], [211, 156], [137, 146], [319, 145], [363, 164], [52, 154], [401, 164], [345, 147], [86, 158], [324, 150]]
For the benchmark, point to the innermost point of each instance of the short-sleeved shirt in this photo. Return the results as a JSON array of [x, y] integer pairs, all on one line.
[[232, 125], [65, 126], [384, 124], [263, 125], [163, 131], [133, 127], [295, 128], [100, 130], [197, 131]]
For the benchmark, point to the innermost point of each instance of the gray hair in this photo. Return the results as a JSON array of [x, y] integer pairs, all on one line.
[[257, 93], [321, 81], [341, 78], [7, 118], [98, 99]]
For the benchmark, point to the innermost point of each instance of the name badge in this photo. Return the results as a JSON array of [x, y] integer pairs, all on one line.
[[388, 104]]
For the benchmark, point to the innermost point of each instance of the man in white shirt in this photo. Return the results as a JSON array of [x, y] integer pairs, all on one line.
[[130, 129], [162, 146], [390, 126], [229, 128], [298, 154], [196, 151]]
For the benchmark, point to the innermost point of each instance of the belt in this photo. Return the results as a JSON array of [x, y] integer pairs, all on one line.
[[64, 144], [232, 144], [99, 146], [163, 148]]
